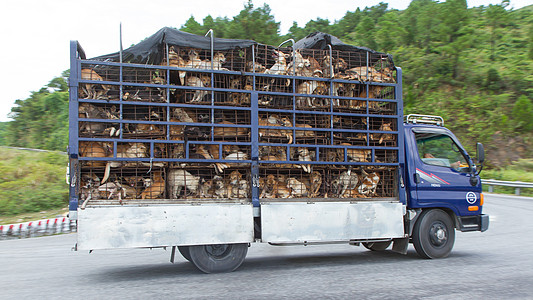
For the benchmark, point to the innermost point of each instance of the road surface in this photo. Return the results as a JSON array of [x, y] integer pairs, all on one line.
[[497, 264]]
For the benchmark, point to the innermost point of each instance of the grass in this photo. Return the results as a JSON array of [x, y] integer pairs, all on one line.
[[31, 182], [521, 170], [34, 216]]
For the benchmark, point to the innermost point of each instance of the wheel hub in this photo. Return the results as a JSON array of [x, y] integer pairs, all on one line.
[[218, 251], [438, 234]]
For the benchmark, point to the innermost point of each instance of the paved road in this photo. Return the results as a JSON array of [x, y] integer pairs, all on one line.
[[497, 264]]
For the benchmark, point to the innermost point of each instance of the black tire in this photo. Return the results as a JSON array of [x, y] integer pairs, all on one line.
[[218, 258], [433, 234], [377, 246], [184, 250]]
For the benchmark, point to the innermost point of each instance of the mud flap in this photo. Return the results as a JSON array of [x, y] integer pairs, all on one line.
[[400, 245]]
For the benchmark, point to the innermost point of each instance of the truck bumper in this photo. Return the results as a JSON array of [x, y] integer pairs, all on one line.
[[473, 223]]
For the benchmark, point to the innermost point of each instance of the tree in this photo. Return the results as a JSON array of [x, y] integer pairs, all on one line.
[[389, 32], [41, 121], [497, 18], [257, 24], [522, 112], [364, 33], [192, 26]]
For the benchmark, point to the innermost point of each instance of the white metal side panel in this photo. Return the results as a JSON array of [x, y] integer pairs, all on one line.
[[164, 225], [299, 222]]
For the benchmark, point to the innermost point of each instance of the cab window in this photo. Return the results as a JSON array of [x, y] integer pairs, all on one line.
[[440, 150]]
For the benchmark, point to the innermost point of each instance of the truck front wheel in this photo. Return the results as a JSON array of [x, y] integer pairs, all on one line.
[[218, 258], [433, 234]]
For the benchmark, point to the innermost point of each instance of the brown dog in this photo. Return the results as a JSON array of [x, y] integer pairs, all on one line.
[[89, 90], [156, 189], [359, 155]]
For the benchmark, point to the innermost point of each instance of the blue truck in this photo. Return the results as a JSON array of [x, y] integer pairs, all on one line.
[[208, 145]]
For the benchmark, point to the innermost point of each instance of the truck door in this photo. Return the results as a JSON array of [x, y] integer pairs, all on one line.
[[442, 172]]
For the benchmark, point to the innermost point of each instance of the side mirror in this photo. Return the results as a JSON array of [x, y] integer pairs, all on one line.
[[480, 153], [480, 156]]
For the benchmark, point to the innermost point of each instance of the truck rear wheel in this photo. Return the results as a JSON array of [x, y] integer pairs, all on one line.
[[218, 258], [433, 234], [377, 246], [184, 250]]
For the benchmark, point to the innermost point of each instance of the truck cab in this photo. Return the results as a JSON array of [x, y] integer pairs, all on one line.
[[442, 184]]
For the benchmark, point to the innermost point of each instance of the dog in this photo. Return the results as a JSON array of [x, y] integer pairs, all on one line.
[[237, 186], [207, 188], [90, 90], [149, 128], [89, 187], [156, 188], [299, 66], [383, 136], [273, 153], [280, 66], [369, 183], [311, 88], [334, 66], [219, 186], [255, 67], [177, 132], [218, 60], [343, 90], [359, 155], [274, 188], [315, 184], [90, 111], [112, 190], [202, 81], [275, 120], [229, 131], [179, 178], [302, 154], [297, 188], [95, 150], [239, 98], [304, 133], [128, 150], [370, 74], [347, 180], [313, 70], [210, 154], [174, 59]]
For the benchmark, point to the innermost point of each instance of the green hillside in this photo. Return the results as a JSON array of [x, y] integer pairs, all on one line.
[[31, 181], [473, 66]]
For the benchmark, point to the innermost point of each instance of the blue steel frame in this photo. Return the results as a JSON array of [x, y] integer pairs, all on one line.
[[78, 59]]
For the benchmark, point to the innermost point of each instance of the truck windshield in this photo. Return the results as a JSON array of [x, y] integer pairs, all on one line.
[[440, 150]]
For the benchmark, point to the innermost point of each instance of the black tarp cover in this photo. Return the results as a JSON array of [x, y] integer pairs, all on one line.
[[320, 41], [151, 49]]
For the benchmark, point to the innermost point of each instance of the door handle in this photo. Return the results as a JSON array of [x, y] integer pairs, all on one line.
[[417, 178]]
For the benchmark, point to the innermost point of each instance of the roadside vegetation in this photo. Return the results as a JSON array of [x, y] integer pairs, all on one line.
[[521, 170], [31, 181]]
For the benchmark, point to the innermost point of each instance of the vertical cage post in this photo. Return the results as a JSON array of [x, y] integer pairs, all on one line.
[[121, 91], [75, 71]]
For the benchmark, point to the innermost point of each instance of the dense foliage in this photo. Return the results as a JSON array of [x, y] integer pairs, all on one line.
[[40, 121], [473, 66], [31, 181]]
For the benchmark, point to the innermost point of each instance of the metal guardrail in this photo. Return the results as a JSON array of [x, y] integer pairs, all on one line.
[[37, 228], [516, 184]]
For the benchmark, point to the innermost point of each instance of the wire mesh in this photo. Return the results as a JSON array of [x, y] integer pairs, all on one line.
[[311, 126]]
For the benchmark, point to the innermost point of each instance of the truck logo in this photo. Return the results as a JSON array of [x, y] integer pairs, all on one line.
[[471, 197], [431, 178]]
